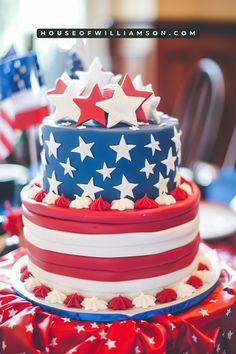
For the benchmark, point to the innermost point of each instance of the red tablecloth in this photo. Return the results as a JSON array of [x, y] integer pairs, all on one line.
[[209, 327]]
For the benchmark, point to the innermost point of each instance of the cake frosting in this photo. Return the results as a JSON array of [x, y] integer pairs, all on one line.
[[113, 224]]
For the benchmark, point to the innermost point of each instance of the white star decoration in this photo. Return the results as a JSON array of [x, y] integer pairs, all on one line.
[[137, 350], [84, 149], [161, 185], [94, 75], [66, 319], [106, 171], [65, 106], [110, 344], [122, 149], [80, 328], [153, 114], [125, 188], [176, 138], [52, 146], [154, 145], [204, 312], [29, 328], [12, 324], [67, 167], [169, 161], [121, 108], [148, 168], [53, 183], [89, 189]]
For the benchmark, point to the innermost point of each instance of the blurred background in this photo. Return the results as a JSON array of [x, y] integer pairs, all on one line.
[[196, 78]]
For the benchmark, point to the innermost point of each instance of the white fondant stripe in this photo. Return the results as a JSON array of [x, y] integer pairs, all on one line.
[[117, 245], [97, 288]]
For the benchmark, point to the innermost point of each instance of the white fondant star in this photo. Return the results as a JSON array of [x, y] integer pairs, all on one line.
[[148, 168], [29, 328], [138, 82], [89, 189], [52, 146], [65, 106], [94, 75], [125, 188], [80, 328], [204, 312], [84, 149], [153, 114], [122, 149], [154, 145], [53, 183], [110, 344], [67, 167], [121, 108], [161, 185], [176, 138], [169, 161], [106, 171]]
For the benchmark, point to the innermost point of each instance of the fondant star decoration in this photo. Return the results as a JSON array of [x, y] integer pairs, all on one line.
[[61, 84], [148, 168], [161, 185], [88, 108], [121, 108], [52, 146], [84, 149], [126, 188], [68, 169], [176, 138], [53, 183], [106, 171], [65, 106], [89, 189], [169, 161], [130, 90], [122, 149], [153, 114], [154, 145], [94, 75]]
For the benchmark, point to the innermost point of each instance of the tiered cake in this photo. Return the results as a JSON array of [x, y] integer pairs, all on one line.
[[112, 227]]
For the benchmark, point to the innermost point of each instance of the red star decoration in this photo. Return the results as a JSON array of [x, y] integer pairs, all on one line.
[[88, 108], [130, 90], [59, 89]]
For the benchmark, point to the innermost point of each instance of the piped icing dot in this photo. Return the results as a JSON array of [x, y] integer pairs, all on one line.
[[74, 300], [56, 297], [99, 204], [195, 281], [41, 291], [145, 203], [94, 304], [202, 266], [62, 202], [122, 204], [50, 198], [40, 196], [184, 290], [166, 295], [165, 199], [120, 303], [80, 202], [179, 194]]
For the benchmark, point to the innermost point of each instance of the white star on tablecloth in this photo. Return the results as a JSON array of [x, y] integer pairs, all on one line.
[[84, 149], [67, 167], [137, 350], [52, 146], [218, 348], [110, 344], [94, 325], [66, 319], [204, 312], [94, 75], [154, 145], [90, 339], [151, 340], [106, 171], [121, 108], [89, 189], [126, 188], [176, 138], [53, 342], [12, 324], [122, 149], [194, 338], [29, 328], [228, 312], [53, 183], [161, 185], [80, 328], [4, 346], [229, 334], [103, 334], [12, 312], [169, 161], [65, 106], [148, 168], [172, 326]]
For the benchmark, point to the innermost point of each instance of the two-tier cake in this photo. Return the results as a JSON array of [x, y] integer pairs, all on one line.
[[112, 229]]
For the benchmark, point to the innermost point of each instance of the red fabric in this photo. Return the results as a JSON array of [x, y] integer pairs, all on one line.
[[114, 269], [25, 120], [193, 331]]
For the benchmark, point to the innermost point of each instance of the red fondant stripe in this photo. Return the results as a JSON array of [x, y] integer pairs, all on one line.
[[114, 269]]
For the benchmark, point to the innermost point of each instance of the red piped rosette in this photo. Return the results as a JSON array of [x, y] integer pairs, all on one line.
[[179, 194], [99, 204], [112, 221], [74, 300], [195, 281], [145, 203], [166, 295], [41, 291], [120, 303], [62, 202], [202, 266]]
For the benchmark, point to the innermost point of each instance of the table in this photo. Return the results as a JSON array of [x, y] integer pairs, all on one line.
[[209, 327]]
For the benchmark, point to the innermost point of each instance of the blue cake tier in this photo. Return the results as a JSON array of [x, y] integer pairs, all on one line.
[[113, 163]]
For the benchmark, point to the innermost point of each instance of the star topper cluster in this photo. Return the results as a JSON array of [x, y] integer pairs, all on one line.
[[96, 96]]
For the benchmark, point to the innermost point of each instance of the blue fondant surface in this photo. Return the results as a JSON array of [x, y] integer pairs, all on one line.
[[103, 138]]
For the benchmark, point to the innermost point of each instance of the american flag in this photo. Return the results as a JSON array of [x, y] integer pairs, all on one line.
[[23, 100], [75, 62]]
